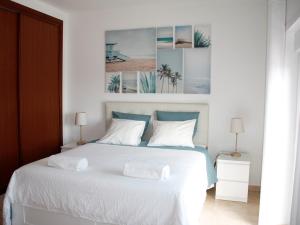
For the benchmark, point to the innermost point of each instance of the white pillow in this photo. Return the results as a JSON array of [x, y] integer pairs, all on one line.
[[124, 132], [173, 133]]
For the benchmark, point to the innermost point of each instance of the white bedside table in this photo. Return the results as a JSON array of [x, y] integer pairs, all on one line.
[[233, 177], [68, 146]]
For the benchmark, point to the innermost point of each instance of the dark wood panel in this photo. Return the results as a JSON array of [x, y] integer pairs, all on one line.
[[9, 156], [40, 88]]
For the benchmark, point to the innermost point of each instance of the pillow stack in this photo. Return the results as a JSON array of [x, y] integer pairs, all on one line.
[[170, 129]]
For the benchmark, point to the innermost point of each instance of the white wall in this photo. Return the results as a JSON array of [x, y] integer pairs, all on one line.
[[293, 12], [238, 68]]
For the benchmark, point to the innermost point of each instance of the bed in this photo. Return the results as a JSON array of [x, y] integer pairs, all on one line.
[[41, 195]]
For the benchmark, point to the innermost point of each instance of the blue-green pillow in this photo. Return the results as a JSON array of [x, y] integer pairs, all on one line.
[[178, 116], [131, 116]]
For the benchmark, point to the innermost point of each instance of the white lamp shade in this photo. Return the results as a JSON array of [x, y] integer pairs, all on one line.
[[237, 125], [81, 118]]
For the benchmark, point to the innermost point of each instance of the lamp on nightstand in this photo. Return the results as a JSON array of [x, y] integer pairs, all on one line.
[[237, 126], [81, 120]]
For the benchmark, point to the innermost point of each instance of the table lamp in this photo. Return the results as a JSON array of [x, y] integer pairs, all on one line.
[[237, 127], [81, 120]]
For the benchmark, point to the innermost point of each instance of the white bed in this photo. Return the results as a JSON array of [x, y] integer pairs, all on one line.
[[40, 195]]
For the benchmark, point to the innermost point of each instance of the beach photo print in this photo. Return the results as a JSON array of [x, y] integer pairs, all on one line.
[[159, 60]]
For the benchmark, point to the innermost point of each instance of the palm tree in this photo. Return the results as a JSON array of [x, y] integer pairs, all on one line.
[[174, 80], [164, 72], [114, 84]]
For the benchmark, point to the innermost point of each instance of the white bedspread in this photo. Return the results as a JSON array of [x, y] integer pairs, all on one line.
[[103, 194]]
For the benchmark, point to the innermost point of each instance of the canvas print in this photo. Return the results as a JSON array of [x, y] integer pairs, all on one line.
[[169, 71], [130, 50], [202, 37], [159, 60], [113, 82], [183, 36], [147, 82], [164, 37], [197, 71], [129, 82]]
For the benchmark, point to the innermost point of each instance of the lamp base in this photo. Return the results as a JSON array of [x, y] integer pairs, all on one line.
[[235, 154], [81, 142]]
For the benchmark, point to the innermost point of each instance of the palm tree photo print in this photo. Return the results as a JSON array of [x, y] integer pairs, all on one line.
[[169, 71], [113, 82]]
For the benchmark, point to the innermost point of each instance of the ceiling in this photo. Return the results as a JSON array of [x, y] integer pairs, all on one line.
[[105, 4], [110, 4]]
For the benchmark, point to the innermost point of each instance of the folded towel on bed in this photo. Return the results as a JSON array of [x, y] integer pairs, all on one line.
[[147, 170], [68, 162]]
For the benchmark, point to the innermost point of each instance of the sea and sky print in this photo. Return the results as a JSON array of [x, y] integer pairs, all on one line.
[[165, 60], [164, 37]]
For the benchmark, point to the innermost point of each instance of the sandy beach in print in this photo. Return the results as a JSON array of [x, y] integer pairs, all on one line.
[[184, 45], [183, 37], [132, 65], [131, 50]]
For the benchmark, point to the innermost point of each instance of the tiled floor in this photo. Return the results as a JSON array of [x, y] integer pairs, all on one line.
[[218, 212]]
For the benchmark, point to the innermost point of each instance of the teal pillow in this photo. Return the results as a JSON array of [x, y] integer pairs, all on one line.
[[131, 116], [178, 116]]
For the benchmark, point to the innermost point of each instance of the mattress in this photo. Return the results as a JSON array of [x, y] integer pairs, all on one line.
[[102, 195]]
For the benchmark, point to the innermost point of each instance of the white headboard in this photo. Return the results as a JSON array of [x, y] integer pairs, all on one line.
[[149, 108]]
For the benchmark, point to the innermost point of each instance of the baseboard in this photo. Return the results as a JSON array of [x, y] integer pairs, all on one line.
[[254, 188]]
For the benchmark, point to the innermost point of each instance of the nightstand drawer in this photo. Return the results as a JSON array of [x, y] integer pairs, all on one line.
[[233, 172], [234, 191]]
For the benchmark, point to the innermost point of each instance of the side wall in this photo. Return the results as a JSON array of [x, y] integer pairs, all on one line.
[[293, 12]]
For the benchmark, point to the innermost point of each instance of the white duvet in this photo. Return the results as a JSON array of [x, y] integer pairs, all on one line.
[[103, 194]]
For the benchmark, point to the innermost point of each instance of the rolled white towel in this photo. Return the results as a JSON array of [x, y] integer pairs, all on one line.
[[68, 162], [147, 170]]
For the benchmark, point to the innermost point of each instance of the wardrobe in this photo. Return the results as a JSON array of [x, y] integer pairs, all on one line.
[[30, 87]]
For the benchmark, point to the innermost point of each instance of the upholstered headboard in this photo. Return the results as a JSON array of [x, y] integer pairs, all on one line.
[[149, 108]]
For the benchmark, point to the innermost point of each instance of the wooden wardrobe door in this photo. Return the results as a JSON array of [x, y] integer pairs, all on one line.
[[9, 156], [40, 88]]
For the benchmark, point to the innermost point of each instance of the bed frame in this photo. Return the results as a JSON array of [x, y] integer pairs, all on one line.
[[149, 108], [23, 215]]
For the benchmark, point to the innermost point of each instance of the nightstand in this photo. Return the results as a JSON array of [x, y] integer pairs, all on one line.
[[233, 177], [68, 147]]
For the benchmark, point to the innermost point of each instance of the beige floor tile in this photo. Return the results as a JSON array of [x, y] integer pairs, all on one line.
[[219, 212]]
